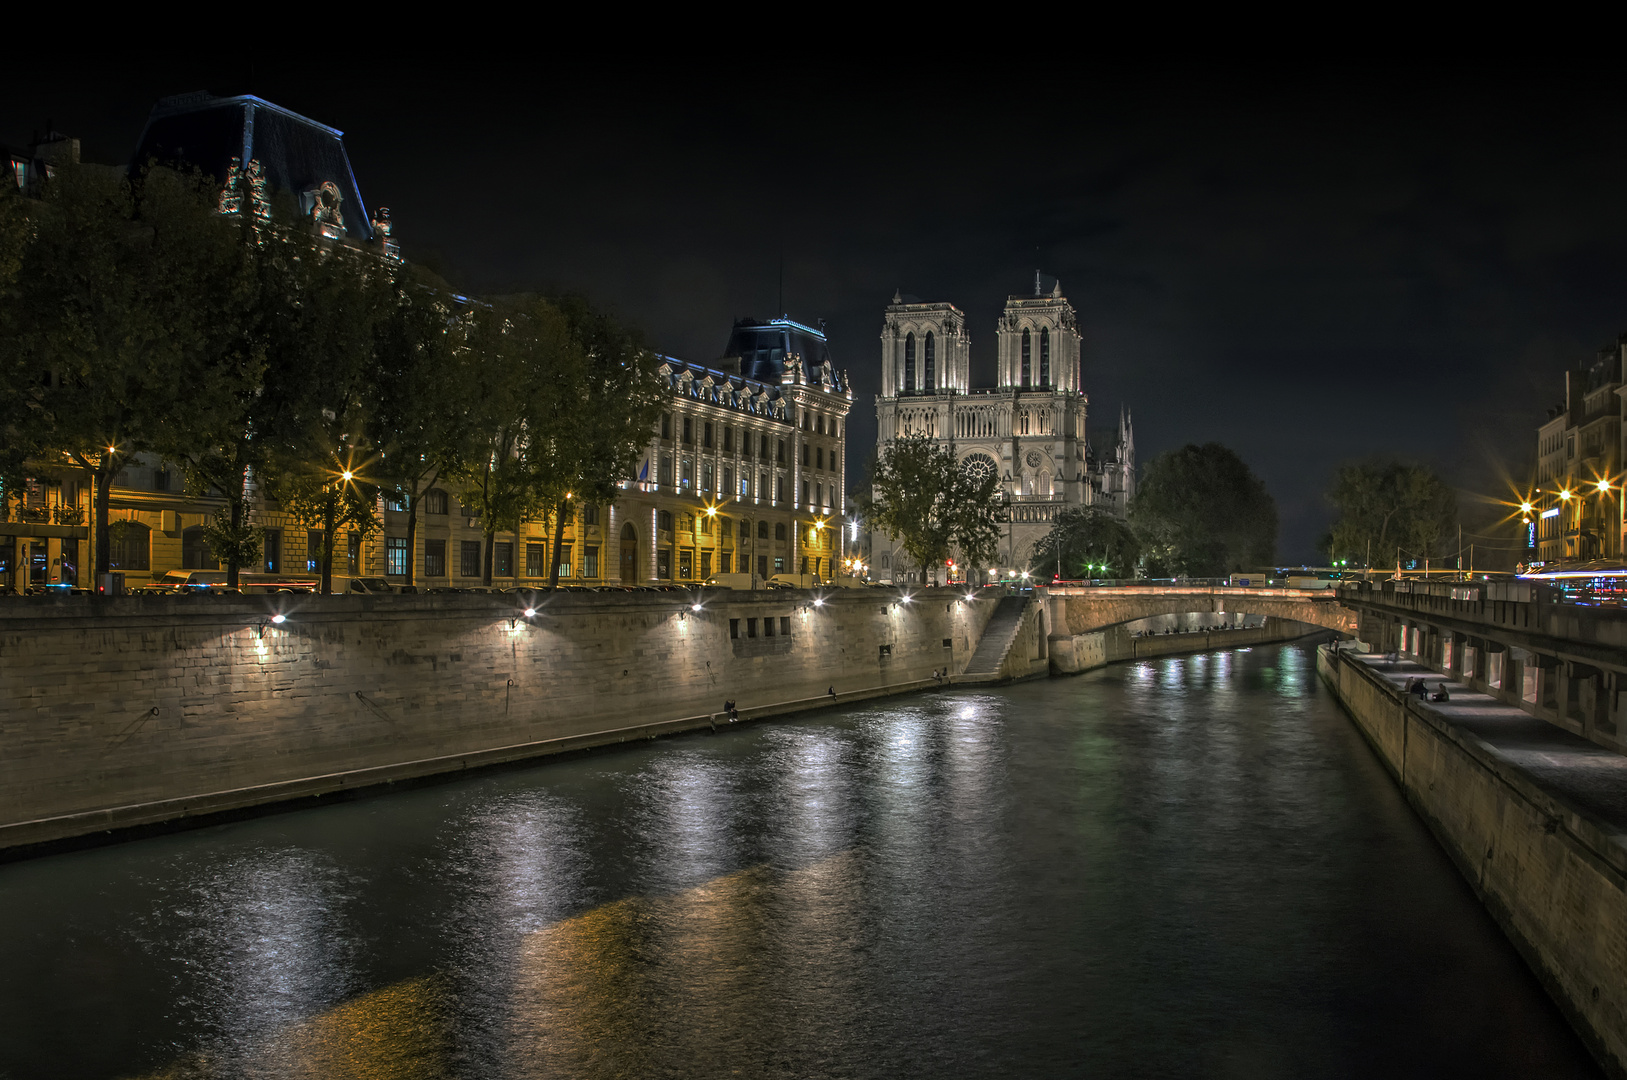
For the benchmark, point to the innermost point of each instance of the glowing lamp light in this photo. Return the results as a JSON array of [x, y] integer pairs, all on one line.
[[530, 611], [1565, 495], [819, 601], [694, 607], [1604, 485], [279, 618], [1525, 508], [346, 475]]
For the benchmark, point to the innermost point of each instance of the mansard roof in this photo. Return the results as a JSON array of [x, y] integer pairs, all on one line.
[[721, 388], [764, 349], [298, 154]]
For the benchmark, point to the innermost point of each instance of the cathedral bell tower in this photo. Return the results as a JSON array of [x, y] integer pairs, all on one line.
[[1039, 342], [924, 349]]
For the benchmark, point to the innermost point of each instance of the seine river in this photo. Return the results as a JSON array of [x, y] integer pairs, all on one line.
[[1189, 867]]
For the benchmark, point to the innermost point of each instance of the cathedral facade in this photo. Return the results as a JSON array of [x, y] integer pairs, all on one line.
[[1030, 429]]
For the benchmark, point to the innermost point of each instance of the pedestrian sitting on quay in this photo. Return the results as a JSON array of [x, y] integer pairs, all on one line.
[[1440, 694]]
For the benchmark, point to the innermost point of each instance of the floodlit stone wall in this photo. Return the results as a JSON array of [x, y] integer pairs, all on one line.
[[146, 709]]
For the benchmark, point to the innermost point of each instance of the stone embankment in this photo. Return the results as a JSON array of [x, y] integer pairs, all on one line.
[[143, 710], [1534, 816]]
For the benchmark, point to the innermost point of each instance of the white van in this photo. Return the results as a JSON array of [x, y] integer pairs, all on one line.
[[733, 581]]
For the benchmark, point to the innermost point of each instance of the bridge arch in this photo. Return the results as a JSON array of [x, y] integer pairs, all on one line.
[[1087, 609]]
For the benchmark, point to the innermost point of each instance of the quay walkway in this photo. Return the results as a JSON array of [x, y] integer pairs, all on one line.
[[1574, 770]]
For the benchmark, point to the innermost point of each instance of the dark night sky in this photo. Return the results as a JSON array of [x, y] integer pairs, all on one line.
[[1308, 268]]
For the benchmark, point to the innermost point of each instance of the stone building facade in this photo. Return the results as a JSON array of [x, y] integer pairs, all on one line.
[[1578, 449], [1029, 429]]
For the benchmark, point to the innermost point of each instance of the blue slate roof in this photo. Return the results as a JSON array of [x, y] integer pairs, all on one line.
[[297, 154]]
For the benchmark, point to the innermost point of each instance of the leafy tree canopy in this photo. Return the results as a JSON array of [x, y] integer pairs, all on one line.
[[919, 494], [1087, 542], [1391, 509], [1201, 512]]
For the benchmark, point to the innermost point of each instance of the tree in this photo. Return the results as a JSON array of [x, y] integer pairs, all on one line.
[[423, 421], [609, 419], [527, 371], [318, 394], [920, 494], [1384, 505], [1084, 538], [108, 305], [1201, 512]]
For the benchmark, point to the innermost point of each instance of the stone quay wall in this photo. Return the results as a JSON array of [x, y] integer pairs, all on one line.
[[148, 709], [1553, 876]]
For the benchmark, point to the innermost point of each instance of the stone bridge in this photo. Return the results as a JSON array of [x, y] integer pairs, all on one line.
[[1076, 609]]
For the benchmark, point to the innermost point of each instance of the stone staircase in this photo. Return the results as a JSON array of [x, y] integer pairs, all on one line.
[[998, 637]]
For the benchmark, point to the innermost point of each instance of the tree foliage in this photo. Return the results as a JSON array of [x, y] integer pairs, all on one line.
[[1201, 512], [1086, 542], [920, 495], [1391, 509]]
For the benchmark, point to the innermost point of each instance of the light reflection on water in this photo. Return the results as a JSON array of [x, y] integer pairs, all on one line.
[[1186, 866]]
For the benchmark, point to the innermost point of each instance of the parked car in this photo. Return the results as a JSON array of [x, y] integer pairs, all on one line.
[[372, 586]]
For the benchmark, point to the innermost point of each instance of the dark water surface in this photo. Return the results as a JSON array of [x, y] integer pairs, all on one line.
[[1185, 867]]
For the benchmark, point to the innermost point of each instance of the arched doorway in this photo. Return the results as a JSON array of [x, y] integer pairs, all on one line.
[[629, 554]]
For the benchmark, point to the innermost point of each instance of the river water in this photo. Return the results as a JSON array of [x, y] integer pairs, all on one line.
[[1185, 867]]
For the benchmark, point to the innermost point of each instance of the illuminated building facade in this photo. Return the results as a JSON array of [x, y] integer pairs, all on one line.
[[1577, 506], [1029, 429]]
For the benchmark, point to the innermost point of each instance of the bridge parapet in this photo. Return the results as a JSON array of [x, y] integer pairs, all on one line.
[[1084, 609]]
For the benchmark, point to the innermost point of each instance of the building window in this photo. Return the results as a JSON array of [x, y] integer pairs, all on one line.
[[762, 530], [689, 429], [779, 451], [734, 628], [763, 451], [931, 362], [805, 449], [706, 565], [1045, 356], [435, 501], [469, 558], [503, 559], [804, 569], [779, 489], [1026, 361], [779, 564], [434, 558], [590, 514], [394, 500], [909, 362], [728, 438], [785, 626], [131, 547], [728, 480], [751, 628], [315, 541], [706, 434], [686, 563], [805, 492], [666, 469], [536, 560], [663, 564], [353, 553], [160, 479], [272, 551], [666, 425], [195, 553], [762, 486], [705, 524], [768, 626], [395, 556], [723, 561], [590, 562], [663, 520], [745, 530], [779, 530], [565, 562], [819, 458], [819, 494], [706, 477], [689, 473]]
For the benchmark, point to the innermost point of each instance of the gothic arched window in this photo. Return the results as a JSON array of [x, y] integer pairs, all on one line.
[[1028, 366], [1045, 356], [931, 362], [909, 362]]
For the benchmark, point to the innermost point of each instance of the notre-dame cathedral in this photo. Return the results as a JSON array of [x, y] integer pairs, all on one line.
[[1030, 428]]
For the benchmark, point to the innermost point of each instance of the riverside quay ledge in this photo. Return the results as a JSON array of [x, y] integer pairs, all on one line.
[[143, 710]]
